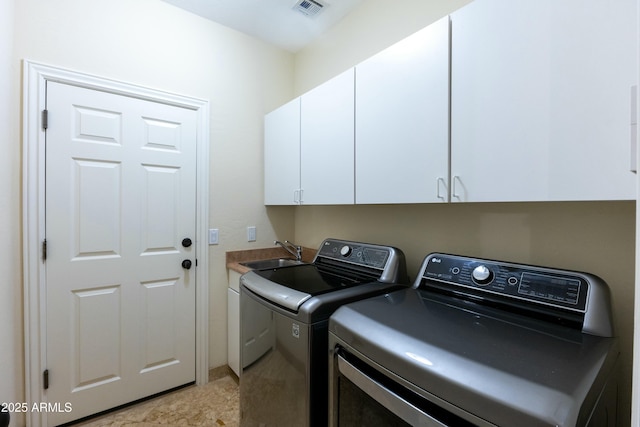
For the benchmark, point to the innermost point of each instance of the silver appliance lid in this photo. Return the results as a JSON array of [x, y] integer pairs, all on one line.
[[280, 295], [491, 364], [337, 266]]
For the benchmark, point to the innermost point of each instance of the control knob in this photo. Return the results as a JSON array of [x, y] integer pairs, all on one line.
[[482, 275], [345, 250]]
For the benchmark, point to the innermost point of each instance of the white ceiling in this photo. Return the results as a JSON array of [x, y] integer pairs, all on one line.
[[275, 21]]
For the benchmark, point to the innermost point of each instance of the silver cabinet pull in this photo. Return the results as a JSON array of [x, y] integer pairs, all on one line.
[[454, 187], [438, 193]]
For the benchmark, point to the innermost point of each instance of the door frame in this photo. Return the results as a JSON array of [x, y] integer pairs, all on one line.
[[35, 77]]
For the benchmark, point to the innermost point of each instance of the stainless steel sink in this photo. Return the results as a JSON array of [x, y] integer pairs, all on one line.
[[265, 264]]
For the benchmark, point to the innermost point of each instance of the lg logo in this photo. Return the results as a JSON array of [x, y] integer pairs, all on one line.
[[295, 330]]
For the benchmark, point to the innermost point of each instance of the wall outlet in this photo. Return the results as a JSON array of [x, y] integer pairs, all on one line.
[[213, 236], [251, 234]]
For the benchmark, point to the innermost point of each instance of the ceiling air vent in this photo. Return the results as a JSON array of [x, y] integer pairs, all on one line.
[[309, 7]]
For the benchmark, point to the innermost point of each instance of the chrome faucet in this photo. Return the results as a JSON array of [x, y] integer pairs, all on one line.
[[294, 250]]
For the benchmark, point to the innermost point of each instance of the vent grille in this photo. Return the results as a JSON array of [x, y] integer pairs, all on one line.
[[309, 7]]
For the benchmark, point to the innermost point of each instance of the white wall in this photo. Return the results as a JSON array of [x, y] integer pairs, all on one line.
[[11, 360], [153, 44], [593, 237]]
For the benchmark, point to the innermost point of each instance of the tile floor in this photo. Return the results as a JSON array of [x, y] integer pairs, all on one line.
[[215, 404]]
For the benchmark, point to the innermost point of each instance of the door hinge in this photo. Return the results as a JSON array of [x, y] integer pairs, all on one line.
[[45, 379], [44, 250], [45, 119]]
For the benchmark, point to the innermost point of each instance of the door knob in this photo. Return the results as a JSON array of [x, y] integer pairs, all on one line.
[[186, 264], [186, 242]]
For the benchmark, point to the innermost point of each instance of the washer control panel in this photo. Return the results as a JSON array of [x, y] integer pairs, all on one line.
[[477, 277], [356, 253]]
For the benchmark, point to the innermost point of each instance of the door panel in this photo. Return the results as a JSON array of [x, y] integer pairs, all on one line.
[[160, 298], [160, 210], [96, 344], [120, 308], [96, 213]]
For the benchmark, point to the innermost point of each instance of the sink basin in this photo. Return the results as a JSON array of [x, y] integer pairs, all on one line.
[[265, 264]]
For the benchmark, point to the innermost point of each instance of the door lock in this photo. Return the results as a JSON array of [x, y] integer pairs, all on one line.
[[186, 242]]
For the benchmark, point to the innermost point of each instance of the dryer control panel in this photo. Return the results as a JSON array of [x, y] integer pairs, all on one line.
[[477, 277], [572, 298]]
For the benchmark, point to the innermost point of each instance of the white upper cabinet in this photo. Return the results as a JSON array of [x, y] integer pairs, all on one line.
[[402, 120], [501, 101], [282, 155], [540, 100], [308, 148], [326, 149]]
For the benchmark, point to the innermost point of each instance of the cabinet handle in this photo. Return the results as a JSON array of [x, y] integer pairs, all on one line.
[[633, 166], [454, 191], [301, 197], [438, 194], [296, 196]]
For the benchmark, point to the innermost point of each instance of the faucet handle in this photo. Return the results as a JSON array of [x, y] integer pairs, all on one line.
[[290, 247]]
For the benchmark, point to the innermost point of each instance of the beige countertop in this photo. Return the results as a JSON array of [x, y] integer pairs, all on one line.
[[234, 258]]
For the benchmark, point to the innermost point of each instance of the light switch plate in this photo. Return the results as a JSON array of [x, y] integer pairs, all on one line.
[[251, 234], [213, 236]]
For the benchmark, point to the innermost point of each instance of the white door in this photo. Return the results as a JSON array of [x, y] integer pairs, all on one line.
[[120, 199]]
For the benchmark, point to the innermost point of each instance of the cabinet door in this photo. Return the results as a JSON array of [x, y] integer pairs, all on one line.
[[402, 120], [233, 330], [327, 142], [540, 99], [233, 321], [282, 155]]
